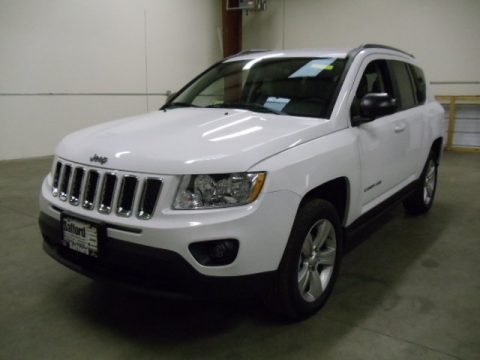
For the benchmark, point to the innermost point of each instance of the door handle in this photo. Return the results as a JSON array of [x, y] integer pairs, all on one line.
[[400, 128]]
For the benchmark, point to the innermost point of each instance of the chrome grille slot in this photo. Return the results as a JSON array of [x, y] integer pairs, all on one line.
[[56, 178], [148, 200], [107, 193], [127, 195], [76, 186], [90, 190], [67, 171]]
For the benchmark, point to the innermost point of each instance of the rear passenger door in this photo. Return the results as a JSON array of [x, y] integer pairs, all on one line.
[[407, 81]]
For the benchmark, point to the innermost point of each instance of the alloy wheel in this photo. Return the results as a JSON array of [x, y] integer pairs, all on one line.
[[317, 260]]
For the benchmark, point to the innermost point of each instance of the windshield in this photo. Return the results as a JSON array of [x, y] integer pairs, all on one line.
[[293, 86]]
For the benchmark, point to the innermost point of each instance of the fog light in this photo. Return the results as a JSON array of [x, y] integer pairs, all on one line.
[[215, 252]]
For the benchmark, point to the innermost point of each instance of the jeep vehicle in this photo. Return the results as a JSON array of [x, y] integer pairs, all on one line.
[[247, 180]]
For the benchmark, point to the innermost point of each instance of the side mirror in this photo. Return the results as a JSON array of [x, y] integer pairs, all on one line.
[[374, 105]]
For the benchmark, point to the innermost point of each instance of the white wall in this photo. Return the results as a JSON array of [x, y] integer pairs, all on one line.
[[90, 51], [444, 35]]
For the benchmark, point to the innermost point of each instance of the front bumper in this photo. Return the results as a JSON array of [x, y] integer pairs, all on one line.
[[147, 269], [261, 229]]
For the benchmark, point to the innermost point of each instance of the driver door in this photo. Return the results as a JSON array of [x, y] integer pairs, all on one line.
[[381, 145]]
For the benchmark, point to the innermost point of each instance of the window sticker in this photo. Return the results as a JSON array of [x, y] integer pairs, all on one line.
[[276, 103]]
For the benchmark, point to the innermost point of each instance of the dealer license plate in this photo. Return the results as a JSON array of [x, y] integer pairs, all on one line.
[[80, 236]]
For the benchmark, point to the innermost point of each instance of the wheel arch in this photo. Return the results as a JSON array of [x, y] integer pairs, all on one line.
[[335, 191], [436, 149]]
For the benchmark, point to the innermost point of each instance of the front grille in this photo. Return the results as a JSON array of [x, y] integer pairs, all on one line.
[[105, 191]]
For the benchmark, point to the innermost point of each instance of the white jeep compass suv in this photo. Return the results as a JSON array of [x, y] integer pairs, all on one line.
[[250, 178]]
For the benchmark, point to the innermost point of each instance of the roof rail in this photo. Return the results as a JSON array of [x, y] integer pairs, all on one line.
[[372, 46]]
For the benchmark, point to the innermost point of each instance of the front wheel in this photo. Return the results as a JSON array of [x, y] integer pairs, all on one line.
[[310, 264], [421, 200]]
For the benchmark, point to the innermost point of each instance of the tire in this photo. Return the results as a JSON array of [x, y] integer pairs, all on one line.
[[310, 263], [421, 200]]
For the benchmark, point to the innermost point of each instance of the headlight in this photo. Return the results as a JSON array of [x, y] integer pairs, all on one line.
[[220, 190]]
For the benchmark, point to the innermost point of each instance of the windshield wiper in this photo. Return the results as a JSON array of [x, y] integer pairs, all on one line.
[[178, 104], [247, 106]]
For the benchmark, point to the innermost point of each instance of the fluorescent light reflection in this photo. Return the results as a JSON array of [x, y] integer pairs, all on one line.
[[238, 134], [249, 65]]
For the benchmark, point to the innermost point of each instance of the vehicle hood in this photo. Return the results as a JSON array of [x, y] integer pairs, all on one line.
[[189, 140]]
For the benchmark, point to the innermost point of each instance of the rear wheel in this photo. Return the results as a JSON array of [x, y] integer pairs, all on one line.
[[310, 263], [421, 200]]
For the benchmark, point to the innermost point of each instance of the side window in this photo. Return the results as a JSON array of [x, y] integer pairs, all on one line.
[[375, 79], [404, 84], [419, 81]]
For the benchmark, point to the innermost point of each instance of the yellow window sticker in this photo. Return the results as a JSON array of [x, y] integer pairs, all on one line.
[[321, 66]]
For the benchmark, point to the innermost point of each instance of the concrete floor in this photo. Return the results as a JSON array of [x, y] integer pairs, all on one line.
[[409, 290]]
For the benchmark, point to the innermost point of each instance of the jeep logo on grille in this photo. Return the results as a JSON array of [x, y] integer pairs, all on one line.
[[100, 159]]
